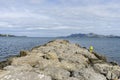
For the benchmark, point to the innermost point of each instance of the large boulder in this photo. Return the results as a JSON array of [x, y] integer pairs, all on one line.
[[111, 72], [29, 59], [88, 74], [102, 68]]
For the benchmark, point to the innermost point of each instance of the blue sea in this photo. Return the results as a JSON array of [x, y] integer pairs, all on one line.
[[10, 46]]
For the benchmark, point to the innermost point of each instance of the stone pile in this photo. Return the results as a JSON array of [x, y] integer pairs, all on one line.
[[59, 60]]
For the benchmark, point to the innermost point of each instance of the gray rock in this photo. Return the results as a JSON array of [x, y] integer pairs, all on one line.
[[88, 74], [57, 73], [109, 70], [103, 68]]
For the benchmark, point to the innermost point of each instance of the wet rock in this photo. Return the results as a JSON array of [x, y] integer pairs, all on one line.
[[94, 61], [99, 56], [4, 64], [23, 53]]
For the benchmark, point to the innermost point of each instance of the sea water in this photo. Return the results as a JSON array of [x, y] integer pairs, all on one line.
[[110, 47], [10, 46]]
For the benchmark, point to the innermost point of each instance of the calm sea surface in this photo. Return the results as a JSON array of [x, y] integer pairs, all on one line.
[[110, 47]]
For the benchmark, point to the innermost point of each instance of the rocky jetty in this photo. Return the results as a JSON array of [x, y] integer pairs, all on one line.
[[59, 60]]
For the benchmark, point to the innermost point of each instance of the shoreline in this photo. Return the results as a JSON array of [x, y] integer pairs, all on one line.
[[62, 56]]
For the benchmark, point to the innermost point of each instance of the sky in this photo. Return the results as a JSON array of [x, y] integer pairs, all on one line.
[[50, 18]]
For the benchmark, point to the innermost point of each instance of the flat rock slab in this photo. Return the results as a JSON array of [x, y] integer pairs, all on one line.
[[25, 76]]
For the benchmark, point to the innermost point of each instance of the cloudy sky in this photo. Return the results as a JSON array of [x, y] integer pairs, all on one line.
[[59, 17]]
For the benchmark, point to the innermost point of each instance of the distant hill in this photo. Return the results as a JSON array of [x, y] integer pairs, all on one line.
[[8, 35], [91, 35]]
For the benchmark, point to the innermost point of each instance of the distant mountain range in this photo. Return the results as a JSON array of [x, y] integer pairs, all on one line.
[[8, 35], [91, 35]]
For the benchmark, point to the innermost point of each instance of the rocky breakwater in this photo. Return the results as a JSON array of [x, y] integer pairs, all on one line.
[[59, 60]]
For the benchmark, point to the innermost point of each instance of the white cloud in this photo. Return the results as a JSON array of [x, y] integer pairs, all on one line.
[[57, 28], [106, 11], [5, 24], [17, 15], [36, 1], [72, 15]]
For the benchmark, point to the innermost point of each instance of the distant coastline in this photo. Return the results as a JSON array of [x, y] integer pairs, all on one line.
[[90, 35], [9, 35]]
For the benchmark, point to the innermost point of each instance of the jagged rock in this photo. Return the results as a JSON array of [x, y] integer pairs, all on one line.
[[89, 74], [115, 72], [110, 71], [103, 68]]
